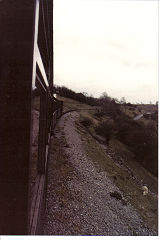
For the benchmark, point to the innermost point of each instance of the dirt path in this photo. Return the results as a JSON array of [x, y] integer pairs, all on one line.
[[78, 198]]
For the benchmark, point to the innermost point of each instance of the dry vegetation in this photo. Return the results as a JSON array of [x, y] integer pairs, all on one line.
[[70, 104], [116, 158], [116, 120], [146, 205]]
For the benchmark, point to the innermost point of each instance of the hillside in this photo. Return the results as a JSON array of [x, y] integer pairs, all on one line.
[[95, 181], [131, 124]]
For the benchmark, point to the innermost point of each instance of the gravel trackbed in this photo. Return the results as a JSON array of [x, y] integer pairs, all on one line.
[[78, 196]]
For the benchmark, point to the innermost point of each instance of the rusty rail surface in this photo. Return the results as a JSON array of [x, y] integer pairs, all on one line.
[[26, 66]]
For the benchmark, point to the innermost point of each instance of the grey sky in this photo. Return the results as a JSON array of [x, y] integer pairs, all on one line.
[[107, 46]]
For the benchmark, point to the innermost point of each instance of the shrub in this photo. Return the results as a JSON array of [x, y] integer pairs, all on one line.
[[123, 126], [131, 108], [86, 121], [99, 114], [142, 140], [111, 109], [129, 104], [154, 116], [105, 129]]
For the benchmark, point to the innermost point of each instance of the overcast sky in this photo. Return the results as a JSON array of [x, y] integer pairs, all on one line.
[[103, 45]]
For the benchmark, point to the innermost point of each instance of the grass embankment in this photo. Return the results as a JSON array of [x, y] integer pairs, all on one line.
[[147, 205], [70, 104]]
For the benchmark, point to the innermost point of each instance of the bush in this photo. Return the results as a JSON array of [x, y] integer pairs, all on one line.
[[142, 140], [105, 130], [129, 104], [87, 122], [99, 114], [81, 97], [131, 108], [124, 125], [111, 109], [154, 116]]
